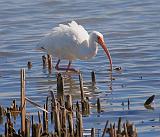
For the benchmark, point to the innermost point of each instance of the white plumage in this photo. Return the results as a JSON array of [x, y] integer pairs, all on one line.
[[72, 42]]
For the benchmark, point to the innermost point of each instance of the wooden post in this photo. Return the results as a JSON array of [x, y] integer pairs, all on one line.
[[57, 120], [23, 104], [29, 64], [69, 102], [70, 124], [93, 134], [1, 111], [6, 129], [28, 126], [105, 129], [37, 130], [128, 103], [63, 123], [60, 86], [79, 125], [32, 126], [39, 119], [1, 114], [93, 77], [98, 106], [14, 105], [119, 125], [111, 130], [49, 63], [44, 60], [81, 86], [77, 107], [125, 130], [45, 123]]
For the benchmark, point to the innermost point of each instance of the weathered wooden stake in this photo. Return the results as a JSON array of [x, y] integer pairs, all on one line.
[[57, 120], [6, 129], [23, 104], [93, 134], [128, 103], [111, 130], [14, 105], [45, 123], [81, 86], [63, 123], [93, 77], [44, 60], [29, 64], [1, 111], [37, 130], [87, 105], [70, 124], [77, 107], [114, 130], [125, 130], [60, 86], [32, 126], [119, 125], [80, 125], [105, 129], [98, 106], [69, 102], [47, 113], [1, 114], [49, 63], [27, 125], [39, 119]]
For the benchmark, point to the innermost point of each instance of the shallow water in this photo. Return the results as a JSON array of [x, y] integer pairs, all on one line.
[[131, 30]]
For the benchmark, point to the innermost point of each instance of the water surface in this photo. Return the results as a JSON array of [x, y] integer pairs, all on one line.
[[131, 30]]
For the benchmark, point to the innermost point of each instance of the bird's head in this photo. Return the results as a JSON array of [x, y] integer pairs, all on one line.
[[100, 40]]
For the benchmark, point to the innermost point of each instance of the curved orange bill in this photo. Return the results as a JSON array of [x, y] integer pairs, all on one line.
[[102, 43]]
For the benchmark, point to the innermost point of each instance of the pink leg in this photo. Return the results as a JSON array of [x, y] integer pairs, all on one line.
[[68, 67], [57, 65]]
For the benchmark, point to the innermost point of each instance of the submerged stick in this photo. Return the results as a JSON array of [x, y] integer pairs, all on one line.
[[36, 105]]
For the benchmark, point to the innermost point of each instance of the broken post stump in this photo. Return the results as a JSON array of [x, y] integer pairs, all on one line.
[[60, 86]]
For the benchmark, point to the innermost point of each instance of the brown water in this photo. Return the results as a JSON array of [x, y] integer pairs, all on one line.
[[131, 30]]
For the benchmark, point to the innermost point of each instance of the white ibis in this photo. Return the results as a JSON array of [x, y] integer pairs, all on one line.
[[73, 42]]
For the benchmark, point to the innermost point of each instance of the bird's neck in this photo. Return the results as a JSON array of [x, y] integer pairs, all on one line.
[[92, 48], [89, 49], [93, 45]]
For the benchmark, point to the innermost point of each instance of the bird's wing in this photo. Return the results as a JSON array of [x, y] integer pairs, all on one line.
[[80, 33], [64, 37]]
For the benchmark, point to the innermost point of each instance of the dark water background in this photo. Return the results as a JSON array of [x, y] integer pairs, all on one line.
[[132, 32]]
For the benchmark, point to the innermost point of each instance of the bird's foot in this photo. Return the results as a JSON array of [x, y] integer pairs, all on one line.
[[73, 70], [67, 69]]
